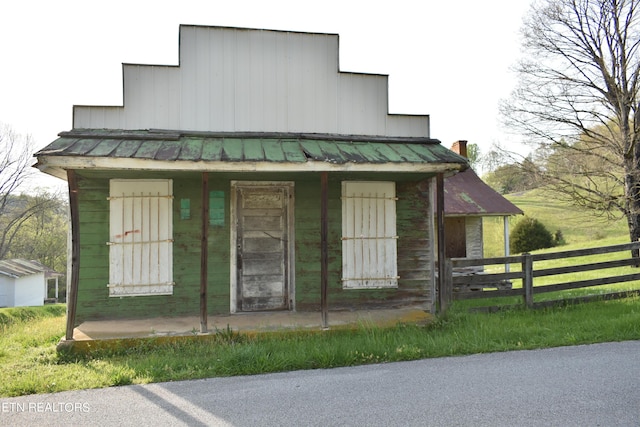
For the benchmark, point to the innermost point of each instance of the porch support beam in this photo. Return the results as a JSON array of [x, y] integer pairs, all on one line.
[[324, 256], [72, 292], [442, 300], [204, 252], [505, 220]]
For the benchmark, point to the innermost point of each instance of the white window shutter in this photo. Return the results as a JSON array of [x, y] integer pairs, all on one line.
[[369, 239], [141, 237]]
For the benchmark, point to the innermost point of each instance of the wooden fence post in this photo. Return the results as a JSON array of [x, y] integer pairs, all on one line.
[[527, 279]]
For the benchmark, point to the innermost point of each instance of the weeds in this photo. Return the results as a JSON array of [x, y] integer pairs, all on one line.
[[228, 335]]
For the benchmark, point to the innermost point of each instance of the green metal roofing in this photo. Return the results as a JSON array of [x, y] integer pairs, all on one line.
[[174, 146]]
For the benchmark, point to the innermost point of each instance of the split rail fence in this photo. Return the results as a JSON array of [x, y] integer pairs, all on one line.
[[460, 284]]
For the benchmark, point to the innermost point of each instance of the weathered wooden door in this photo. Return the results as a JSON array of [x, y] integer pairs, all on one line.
[[456, 237], [262, 247]]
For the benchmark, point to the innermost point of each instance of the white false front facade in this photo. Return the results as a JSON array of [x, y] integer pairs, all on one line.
[[238, 80]]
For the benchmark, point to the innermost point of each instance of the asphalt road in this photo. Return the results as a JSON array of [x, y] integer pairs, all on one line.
[[595, 385]]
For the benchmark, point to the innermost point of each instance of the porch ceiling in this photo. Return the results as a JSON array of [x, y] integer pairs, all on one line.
[[173, 150]]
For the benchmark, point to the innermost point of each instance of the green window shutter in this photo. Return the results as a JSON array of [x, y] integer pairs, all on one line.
[[185, 208], [216, 208]]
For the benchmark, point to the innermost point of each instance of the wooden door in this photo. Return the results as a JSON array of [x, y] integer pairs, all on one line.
[[262, 255], [455, 237]]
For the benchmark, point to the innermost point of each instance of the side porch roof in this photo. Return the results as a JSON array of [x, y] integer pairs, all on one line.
[[465, 194], [17, 268], [243, 152]]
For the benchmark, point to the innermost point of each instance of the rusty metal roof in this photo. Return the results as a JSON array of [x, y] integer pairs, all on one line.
[[21, 267], [255, 147], [466, 194]]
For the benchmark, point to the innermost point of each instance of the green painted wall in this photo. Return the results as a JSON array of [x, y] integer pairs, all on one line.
[[414, 259]]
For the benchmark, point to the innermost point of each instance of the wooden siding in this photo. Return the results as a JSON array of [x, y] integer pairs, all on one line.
[[414, 253], [232, 79]]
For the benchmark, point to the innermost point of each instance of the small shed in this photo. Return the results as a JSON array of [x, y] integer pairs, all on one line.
[[25, 282], [467, 200], [254, 176]]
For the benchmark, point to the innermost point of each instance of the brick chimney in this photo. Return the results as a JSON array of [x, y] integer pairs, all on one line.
[[460, 147]]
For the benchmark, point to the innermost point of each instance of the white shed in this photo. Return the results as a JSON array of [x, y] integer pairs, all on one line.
[[24, 282]]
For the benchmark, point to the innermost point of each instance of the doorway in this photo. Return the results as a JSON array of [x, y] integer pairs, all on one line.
[[262, 246]]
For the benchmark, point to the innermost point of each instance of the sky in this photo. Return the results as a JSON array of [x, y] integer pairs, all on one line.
[[448, 59]]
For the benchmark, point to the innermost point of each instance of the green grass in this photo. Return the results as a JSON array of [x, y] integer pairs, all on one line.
[[29, 363], [10, 316], [578, 226]]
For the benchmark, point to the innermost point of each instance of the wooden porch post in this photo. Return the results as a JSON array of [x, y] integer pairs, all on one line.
[[72, 292], [324, 258], [204, 252], [505, 220], [442, 300]]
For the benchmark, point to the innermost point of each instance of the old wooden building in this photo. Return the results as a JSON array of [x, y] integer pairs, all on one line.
[[253, 176], [467, 201]]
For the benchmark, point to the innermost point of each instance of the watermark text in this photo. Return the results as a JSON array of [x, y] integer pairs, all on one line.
[[45, 407]]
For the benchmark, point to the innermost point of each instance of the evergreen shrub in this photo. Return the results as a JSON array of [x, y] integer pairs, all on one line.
[[528, 235]]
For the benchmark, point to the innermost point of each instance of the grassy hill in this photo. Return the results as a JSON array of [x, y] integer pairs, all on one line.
[[580, 227]]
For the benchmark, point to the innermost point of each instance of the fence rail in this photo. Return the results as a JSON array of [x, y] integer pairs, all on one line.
[[460, 275]]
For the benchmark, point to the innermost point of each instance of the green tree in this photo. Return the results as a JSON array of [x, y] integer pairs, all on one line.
[[43, 235], [577, 101], [510, 178], [473, 155]]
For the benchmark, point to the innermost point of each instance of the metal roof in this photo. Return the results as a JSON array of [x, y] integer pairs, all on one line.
[[21, 267], [466, 194], [168, 146]]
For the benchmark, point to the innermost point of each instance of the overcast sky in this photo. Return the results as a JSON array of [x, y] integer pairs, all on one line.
[[448, 59]]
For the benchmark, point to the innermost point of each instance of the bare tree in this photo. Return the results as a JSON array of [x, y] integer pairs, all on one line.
[[577, 100], [15, 170], [15, 159]]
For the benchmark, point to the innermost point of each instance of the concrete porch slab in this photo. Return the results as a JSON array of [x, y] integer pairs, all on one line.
[[244, 322]]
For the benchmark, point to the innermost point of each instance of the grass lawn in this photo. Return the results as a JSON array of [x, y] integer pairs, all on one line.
[[579, 227]]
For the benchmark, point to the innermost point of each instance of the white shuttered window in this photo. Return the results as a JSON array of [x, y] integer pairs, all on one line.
[[369, 240], [141, 237]]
